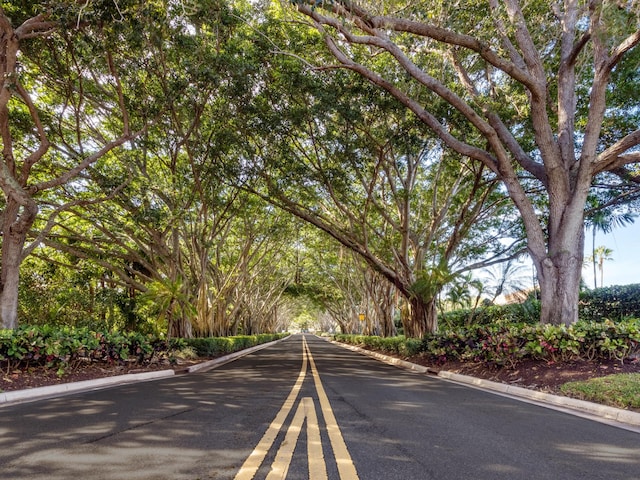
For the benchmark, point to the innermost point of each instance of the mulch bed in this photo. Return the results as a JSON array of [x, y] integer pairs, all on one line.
[[32, 377], [539, 375]]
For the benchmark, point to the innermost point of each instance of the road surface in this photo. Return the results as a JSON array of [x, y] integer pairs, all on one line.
[[305, 409]]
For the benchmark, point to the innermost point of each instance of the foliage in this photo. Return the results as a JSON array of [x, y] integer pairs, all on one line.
[[216, 346], [68, 347], [163, 105], [530, 91], [509, 344], [345, 159], [615, 302], [69, 105], [57, 289], [399, 345], [621, 390], [526, 312]]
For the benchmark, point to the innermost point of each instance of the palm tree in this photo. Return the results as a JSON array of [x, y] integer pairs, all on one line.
[[600, 254], [509, 278], [458, 294], [605, 220]]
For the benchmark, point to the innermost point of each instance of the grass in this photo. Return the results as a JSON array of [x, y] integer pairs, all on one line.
[[621, 390]]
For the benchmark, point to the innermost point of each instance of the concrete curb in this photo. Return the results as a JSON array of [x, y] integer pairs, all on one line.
[[619, 415], [64, 388], [603, 411], [39, 393]]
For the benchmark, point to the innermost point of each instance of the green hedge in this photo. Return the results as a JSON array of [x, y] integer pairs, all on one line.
[[68, 347], [61, 347], [394, 345], [216, 346], [613, 303], [515, 313], [510, 344]]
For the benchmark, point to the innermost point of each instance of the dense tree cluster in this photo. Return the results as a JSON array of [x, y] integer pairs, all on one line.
[[212, 167]]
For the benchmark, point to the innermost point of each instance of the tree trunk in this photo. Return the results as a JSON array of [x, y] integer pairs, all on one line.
[[559, 277], [180, 328], [11, 254], [16, 222], [422, 317], [593, 257], [386, 320], [601, 268]]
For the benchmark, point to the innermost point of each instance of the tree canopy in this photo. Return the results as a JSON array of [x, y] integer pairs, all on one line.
[[532, 90], [166, 152]]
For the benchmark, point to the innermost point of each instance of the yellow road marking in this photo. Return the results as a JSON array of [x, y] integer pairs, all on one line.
[[280, 465], [346, 468], [251, 464], [317, 467], [306, 410]]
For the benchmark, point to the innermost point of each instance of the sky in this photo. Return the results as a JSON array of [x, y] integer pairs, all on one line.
[[624, 268]]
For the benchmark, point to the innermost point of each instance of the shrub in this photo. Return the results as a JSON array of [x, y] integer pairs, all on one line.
[[217, 346], [515, 313], [507, 345], [614, 303], [67, 347], [410, 347]]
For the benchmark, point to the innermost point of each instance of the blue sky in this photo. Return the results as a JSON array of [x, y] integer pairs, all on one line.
[[625, 266], [622, 269]]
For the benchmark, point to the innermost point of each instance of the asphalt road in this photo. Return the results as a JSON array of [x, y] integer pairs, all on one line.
[[305, 409]]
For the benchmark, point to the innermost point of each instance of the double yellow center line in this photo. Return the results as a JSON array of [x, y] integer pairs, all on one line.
[[306, 410]]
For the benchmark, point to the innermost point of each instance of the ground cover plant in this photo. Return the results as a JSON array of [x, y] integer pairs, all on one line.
[[615, 302], [620, 390], [67, 348], [509, 344]]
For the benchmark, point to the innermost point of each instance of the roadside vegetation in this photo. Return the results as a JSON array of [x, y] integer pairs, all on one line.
[[66, 348], [504, 337], [508, 344], [621, 390], [211, 169]]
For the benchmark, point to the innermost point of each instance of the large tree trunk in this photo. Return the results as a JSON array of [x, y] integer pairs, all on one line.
[[386, 321], [11, 252], [559, 291], [559, 275], [421, 317], [180, 328], [16, 222]]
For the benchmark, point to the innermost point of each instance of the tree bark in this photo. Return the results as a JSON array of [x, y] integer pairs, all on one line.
[[559, 275], [11, 251], [16, 221], [179, 328], [422, 317]]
